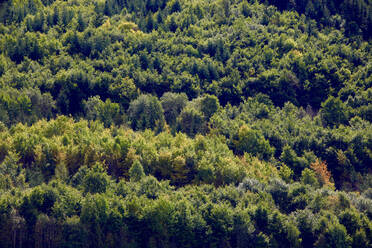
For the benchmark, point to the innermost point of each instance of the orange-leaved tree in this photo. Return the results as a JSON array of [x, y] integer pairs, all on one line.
[[322, 173]]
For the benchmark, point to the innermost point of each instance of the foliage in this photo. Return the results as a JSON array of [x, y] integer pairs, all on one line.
[[185, 123], [136, 172], [251, 141], [333, 112], [323, 175], [146, 112]]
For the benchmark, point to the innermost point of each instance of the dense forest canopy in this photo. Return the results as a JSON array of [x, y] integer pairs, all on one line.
[[355, 16], [185, 123]]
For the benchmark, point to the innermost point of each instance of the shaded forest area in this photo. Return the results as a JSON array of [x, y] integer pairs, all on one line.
[[355, 17], [185, 123]]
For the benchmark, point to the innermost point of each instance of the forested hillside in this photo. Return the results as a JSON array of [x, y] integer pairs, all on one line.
[[185, 123], [353, 16]]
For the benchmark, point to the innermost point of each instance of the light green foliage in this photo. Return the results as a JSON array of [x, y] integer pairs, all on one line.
[[136, 172], [206, 173], [3, 65], [25, 105], [286, 173], [11, 172], [123, 91], [335, 235], [308, 177], [191, 123], [252, 141]]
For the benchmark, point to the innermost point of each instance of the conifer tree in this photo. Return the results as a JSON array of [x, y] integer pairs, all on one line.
[[136, 172]]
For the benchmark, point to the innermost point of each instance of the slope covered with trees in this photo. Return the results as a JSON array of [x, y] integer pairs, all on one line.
[[77, 184], [355, 17], [185, 123]]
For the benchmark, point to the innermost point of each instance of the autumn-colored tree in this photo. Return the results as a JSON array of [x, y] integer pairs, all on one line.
[[322, 173]]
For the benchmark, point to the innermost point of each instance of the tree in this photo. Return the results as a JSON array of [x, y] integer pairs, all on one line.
[[191, 122], [246, 11], [11, 172], [360, 239], [309, 177], [82, 24], [279, 191], [306, 224], [322, 173], [290, 158], [173, 104], [94, 213], [335, 236], [123, 91], [351, 220], [107, 112], [146, 112], [3, 65], [172, 24], [175, 6], [333, 112], [96, 180], [136, 172], [253, 142], [209, 105]]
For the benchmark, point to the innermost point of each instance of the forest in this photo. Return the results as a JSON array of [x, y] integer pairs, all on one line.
[[185, 123]]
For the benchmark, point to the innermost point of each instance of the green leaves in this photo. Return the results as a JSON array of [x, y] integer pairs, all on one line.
[[252, 141], [209, 106], [136, 172], [107, 112], [146, 112], [241, 88], [11, 172], [173, 104], [96, 180], [191, 122], [334, 112]]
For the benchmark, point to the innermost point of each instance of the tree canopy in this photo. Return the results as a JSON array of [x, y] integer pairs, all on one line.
[[181, 123]]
